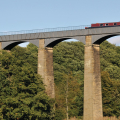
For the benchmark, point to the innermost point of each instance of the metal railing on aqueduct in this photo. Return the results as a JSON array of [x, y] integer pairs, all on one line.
[[44, 30]]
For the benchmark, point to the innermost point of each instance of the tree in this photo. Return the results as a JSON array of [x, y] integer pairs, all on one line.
[[22, 93], [68, 93], [111, 95], [69, 55]]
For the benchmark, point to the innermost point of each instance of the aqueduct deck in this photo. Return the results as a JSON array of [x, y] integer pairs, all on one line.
[[54, 36]]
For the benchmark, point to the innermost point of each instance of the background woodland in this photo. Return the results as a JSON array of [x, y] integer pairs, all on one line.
[[22, 92]]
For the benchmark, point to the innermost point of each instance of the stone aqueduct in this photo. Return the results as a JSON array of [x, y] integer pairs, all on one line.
[[45, 41]]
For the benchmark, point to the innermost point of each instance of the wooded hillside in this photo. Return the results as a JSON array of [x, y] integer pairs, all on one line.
[[23, 94]]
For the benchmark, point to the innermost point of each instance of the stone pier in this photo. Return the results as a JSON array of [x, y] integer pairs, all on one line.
[[45, 67], [0, 46], [92, 82]]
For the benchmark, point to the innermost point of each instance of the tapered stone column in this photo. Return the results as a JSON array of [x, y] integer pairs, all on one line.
[[45, 67], [92, 82], [0, 46]]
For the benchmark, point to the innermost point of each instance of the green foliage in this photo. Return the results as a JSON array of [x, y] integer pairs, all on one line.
[[68, 55], [111, 95], [71, 90], [59, 114], [22, 93], [109, 56]]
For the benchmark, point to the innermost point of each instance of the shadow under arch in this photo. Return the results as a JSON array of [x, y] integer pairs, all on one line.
[[12, 45], [56, 41], [100, 40]]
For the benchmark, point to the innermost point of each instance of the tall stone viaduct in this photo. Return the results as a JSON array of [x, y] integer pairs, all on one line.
[[45, 41]]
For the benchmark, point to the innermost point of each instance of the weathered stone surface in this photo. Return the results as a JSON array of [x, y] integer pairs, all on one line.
[[41, 58], [92, 82], [45, 67], [0, 46]]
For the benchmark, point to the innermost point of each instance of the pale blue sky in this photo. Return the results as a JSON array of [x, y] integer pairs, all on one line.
[[18, 15]]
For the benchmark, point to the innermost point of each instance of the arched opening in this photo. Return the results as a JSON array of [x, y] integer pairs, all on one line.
[[68, 64], [12, 45], [107, 37], [24, 51], [24, 44], [110, 69], [114, 40]]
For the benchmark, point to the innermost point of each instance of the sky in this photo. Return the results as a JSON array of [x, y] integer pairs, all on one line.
[[16, 15]]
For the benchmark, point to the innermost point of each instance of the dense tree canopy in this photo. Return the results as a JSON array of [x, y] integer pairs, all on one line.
[[69, 57], [23, 94]]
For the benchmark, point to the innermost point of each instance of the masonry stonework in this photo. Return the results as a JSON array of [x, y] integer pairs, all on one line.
[[0, 46], [45, 67], [92, 82]]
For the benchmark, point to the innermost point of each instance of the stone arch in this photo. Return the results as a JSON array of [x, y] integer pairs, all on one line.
[[98, 39], [11, 44], [54, 41]]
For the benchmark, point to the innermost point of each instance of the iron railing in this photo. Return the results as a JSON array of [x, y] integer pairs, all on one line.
[[44, 30]]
